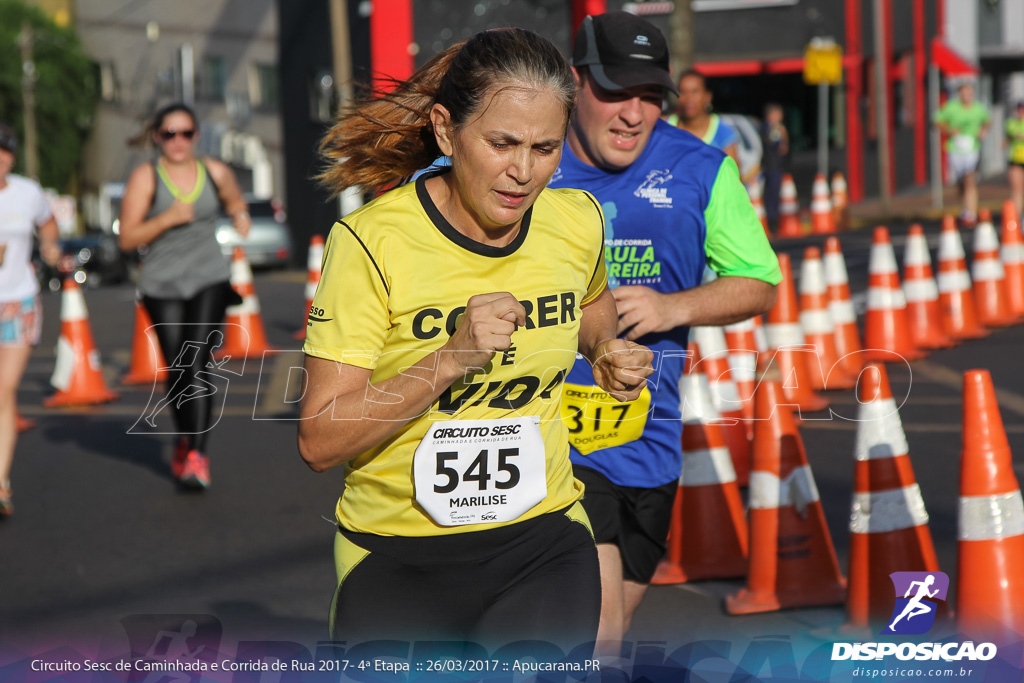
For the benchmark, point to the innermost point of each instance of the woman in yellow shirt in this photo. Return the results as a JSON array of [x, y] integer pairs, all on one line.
[[449, 311]]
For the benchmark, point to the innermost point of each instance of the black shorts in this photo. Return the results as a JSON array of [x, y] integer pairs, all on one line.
[[1017, 164], [536, 580], [632, 518]]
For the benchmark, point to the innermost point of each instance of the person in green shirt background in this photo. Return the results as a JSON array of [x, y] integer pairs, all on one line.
[[1015, 141], [965, 121]]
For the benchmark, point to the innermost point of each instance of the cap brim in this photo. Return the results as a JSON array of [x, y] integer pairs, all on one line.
[[628, 76]]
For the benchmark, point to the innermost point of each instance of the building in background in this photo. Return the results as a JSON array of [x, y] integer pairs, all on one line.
[[763, 58], [752, 52], [221, 56]]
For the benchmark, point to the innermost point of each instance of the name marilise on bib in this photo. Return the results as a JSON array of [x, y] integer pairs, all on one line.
[[480, 471]]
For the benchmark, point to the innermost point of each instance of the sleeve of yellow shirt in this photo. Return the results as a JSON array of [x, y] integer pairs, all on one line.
[[349, 318]]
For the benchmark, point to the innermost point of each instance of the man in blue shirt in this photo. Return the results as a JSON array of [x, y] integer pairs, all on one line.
[[672, 205]]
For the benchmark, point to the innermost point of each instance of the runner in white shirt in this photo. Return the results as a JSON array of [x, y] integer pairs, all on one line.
[[23, 210]]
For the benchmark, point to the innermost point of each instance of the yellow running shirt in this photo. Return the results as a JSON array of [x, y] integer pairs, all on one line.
[[396, 276]]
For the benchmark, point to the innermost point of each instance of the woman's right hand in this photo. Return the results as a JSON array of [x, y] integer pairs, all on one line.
[[485, 328], [180, 213]]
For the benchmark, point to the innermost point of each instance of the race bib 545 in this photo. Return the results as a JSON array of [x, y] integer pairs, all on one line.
[[480, 471]]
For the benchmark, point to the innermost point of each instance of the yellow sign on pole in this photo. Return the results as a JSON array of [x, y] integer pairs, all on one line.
[[823, 62]]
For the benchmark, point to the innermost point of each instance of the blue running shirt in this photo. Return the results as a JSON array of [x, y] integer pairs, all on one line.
[[678, 207]]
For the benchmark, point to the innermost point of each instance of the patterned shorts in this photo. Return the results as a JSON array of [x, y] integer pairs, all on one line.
[[21, 322]]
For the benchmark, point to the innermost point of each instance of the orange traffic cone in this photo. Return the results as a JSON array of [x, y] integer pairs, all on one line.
[[840, 305], [792, 561], [923, 312], [797, 361], [886, 332], [754, 192], [148, 364], [888, 523], [708, 535], [822, 220], [77, 374], [314, 264], [1013, 258], [789, 209], [761, 339], [990, 294], [840, 201], [22, 424], [725, 396], [743, 353], [959, 315], [990, 598], [1010, 212], [817, 325], [244, 336]]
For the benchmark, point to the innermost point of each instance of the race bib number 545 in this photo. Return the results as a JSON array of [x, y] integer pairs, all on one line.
[[480, 471]]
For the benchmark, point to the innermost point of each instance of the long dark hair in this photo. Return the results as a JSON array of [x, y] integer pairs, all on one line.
[[380, 140], [157, 121]]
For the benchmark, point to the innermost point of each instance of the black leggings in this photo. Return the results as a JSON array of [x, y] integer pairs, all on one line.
[[536, 580], [189, 330]]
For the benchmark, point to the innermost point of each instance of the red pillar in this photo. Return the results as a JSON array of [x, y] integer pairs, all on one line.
[[940, 30], [890, 81], [390, 38], [854, 64], [581, 8], [922, 124]]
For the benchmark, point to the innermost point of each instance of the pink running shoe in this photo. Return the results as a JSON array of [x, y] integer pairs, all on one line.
[[196, 471]]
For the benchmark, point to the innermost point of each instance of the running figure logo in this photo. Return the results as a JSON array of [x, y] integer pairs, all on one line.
[[195, 380], [186, 388], [914, 612]]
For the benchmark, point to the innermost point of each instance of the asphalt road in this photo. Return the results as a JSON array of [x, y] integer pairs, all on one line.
[[103, 540]]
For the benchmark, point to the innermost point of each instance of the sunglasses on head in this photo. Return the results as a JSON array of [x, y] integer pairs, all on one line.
[[166, 135]]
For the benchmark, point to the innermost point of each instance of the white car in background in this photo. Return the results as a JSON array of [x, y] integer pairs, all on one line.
[[269, 243], [748, 130]]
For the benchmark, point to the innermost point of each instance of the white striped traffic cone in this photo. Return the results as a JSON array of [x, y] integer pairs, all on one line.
[[816, 322], [888, 522], [743, 355], [1013, 258], [840, 201], [314, 265], [840, 305], [244, 336], [714, 362], [990, 594], [924, 314], [956, 298], [989, 277], [886, 332], [789, 209], [708, 535], [77, 374], [822, 221]]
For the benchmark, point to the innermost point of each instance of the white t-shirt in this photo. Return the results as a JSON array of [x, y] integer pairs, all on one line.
[[23, 207]]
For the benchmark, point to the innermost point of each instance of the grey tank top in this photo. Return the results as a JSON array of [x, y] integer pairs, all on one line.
[[185, 259]]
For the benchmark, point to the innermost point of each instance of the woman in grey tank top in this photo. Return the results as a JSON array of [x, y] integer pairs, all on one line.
[[172, 204]]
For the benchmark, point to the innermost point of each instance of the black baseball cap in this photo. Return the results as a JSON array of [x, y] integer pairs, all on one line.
[[622, 51], [7, 139]]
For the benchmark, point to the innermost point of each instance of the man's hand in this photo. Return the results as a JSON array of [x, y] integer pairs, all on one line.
[[642, 311], [622, 367]]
